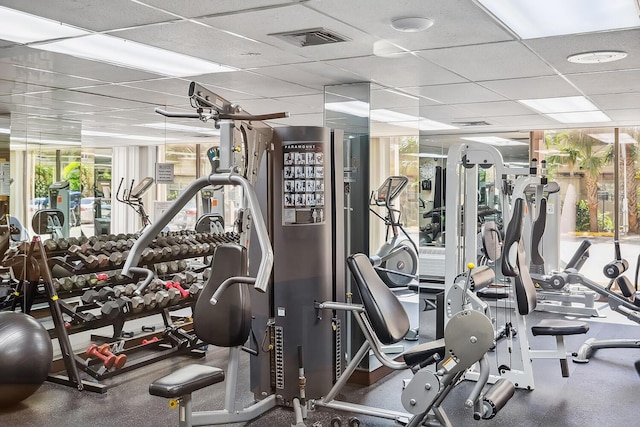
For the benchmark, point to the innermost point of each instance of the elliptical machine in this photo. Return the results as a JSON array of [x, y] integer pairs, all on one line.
[[396, 262], [133, 198]]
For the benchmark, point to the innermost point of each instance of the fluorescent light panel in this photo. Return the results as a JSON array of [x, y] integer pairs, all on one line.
[[567, 109], [580, 117], [5, 131], [565, 104], [545, 18], [20, 27], [127, 53], [493, 140], [608, 138], [124, 136]]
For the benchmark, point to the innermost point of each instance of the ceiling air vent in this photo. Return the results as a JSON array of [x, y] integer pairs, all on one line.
[[471, 123], [310, 37]]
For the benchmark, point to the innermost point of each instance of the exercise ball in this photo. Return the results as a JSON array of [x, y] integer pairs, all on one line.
[[25, 357]]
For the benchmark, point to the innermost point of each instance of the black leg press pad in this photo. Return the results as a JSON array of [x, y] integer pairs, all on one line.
[[186, 380], [560, 327]]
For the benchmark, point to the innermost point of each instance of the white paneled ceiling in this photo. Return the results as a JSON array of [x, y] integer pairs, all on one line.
[[468, 67]]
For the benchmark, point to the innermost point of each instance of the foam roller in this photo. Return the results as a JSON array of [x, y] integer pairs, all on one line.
[[616, 268]]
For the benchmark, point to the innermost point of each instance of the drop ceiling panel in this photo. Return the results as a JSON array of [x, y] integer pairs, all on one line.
[[253, 83], [555, 50], [51, 79], [451, 21], [493, 61], [493, 109], [65, 64], [532, 87], [624, 115], [383, 98], [442, 113], [313, 119], [459, 93], [193, 8], [93, 99], [406, 70], [211, 44], [314, 75], [9, 87], [607, 82], [525, 122], [180, 88], [257, 25], [91, 14], [617, 101], [139, 95]]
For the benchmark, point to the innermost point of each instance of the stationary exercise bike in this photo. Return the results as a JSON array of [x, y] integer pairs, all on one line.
[[397, 259], [133, 198]]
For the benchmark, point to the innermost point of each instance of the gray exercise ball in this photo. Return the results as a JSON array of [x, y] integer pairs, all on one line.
[[26, 354]]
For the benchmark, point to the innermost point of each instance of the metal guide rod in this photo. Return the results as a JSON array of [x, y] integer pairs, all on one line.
[[616, 188]]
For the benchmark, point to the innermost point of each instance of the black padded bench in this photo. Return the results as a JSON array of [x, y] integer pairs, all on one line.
[[185, 381]]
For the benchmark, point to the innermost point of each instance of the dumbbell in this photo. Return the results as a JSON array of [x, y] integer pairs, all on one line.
[[73, 241], [161, 269], [120, 359], [118, 258], [137, 304], [173, 267], [155, 285], [178, 287], [206, 273], [80, 281], [107, 360], [195, 289], [186, 277], [91, 261], [164, 297], [66, 283], [149, 300], [150, 341], [116, 307]]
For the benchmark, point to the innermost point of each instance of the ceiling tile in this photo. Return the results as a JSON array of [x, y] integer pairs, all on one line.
[[458, 93], [253, 83], [532, 87], [555, 50], [617, 101], [451, 21], [297, 17], [211, 44], [194, 8], [314, 75], [492, 61], [403, 71], [606, 82], [493, 109], [91, 14]]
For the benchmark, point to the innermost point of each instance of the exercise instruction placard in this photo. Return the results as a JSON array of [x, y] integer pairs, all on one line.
[[303, 184]]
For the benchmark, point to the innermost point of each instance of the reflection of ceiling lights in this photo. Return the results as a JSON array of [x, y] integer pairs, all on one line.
[[3, 130], [433, 155], [411, 24], [180, 128], [546, 18], [361, 109], [608, 138], [597, 57], [124, 136], [494, 140]]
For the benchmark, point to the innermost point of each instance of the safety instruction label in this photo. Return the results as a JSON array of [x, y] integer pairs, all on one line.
[[303, 186]]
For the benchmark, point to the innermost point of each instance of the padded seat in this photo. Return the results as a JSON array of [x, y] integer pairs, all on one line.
[[493, 293], [422, 352], [185, 381], [559, 327]]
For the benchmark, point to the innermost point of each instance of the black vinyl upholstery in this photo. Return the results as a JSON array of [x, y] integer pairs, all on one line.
[[228, 323], [385, 312], [186, 380], [537, 231], [525, 290]]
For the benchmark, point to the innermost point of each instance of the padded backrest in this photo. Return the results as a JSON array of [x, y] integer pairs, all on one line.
[[580, 256], [525, 290], [537, 231], [228, 323], [491, 238], [385, 312]]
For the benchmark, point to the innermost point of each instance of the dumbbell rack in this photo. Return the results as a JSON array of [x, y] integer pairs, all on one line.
[[37, 281]]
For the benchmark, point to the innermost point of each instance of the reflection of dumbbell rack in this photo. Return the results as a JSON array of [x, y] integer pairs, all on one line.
[[96, 295]]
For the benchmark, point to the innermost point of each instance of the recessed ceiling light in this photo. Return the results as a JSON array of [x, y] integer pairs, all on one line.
[[597, 57], [411, 24]]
